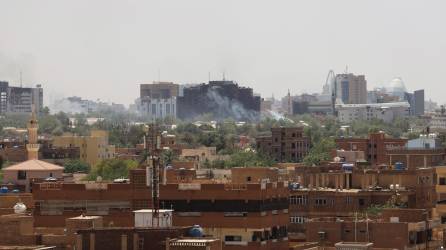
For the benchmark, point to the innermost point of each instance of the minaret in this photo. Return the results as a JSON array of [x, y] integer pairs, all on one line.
[[290, 108], [33, 147]]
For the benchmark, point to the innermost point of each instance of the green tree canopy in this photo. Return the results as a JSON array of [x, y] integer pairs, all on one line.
[[73, 166], [320, 152], [112, 169]]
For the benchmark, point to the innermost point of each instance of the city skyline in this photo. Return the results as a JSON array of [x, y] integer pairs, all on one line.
[[107, 49]]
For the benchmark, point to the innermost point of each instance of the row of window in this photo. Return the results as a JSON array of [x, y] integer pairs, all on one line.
[[303, 200], [170, 108], [297, 219]]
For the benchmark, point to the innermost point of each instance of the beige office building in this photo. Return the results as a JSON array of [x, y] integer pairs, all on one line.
[[351, 89], [93, 148]]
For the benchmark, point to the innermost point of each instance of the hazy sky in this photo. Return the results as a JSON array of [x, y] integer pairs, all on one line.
[[104, 49]]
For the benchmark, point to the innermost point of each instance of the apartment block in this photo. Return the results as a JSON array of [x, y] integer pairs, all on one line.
[[93, 148], [374, 147], [242, 215], [321, 192], [286, 144], [394, 229]]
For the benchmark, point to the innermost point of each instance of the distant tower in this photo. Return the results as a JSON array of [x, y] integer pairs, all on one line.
[[289, 103], [33, 147]]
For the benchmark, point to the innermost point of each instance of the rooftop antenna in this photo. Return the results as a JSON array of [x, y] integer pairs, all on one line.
[[209, 76], [346, 69], [224, 77], [159, 75], [21, 83], [153, 160]]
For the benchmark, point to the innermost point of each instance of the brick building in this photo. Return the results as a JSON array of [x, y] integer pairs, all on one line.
[[243, 216], [416, 157], [330, 192], [394, 229], [286, 144], [127, 238], [375, 147]]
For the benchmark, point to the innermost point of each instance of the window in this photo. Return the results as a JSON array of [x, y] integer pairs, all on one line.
[[21, 175], [443, 219], [248, 178], [298, 200], [320, 202], [361, 202], [293, 145], [233, 238], [297, 219], [348, 200], [442, 181]]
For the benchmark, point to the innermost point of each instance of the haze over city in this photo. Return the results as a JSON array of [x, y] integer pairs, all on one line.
[[105, 49]]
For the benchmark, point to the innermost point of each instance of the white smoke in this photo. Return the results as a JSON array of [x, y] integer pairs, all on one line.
[[224, 107], [66, 106], [278, 116]]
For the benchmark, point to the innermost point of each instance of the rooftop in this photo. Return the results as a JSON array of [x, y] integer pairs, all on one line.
[[34, 165]]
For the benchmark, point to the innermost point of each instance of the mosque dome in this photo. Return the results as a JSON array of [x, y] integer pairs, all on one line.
[[396, 86]]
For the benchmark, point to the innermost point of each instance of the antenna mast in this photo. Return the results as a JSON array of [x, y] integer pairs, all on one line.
[[153, 151]]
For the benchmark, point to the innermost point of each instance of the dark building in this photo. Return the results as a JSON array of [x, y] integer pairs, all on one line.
[[20, 99], [314, 107], [300, 107], [416, 101], [3, 97], [224, 98], [285, 144]]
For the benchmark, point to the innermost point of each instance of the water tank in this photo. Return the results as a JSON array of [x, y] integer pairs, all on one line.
[[3, 190], [347, 167], [399, 166], [294, 186], [19, 208], [196, 231]]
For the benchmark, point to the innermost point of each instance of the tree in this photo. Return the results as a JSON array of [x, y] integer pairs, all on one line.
[[168, 156], [73, 166], [320, 152], [112, 169], [246, 159]]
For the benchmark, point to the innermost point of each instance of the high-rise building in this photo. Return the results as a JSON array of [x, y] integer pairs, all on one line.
[[418, 102], [3, 97], [20, 99], [351, 89], [159, 100], [225, 98]]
